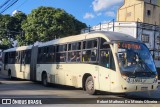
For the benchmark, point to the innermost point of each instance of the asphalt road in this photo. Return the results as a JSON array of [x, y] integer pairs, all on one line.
[[27, 89]]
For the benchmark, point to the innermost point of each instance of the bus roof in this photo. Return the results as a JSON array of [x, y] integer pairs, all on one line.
[[108, 35], [111, 36], [115, 36], [18, 48]]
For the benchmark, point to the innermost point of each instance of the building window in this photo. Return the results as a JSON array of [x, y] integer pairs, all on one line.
[[148, 12], [145, 38]]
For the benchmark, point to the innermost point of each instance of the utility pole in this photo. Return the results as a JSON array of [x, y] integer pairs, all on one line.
[[113, 25]]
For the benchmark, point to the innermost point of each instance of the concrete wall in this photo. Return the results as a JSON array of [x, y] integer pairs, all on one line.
[[137, 11], [132, 10], [154, 18]]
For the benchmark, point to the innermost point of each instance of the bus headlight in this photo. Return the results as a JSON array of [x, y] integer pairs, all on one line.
[[155, 79]]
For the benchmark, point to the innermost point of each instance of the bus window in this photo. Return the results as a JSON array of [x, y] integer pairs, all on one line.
[[51, 54], [11, 59], [61, 53], [90, 44], [102, 46], [40, 55], [28, 57], [76, 46], [61, 48], [23, 54], [90, 50], [60, 57], [74, 56], [6, 58], [69, 47], [104, 58], [89, 55], [112, 63]]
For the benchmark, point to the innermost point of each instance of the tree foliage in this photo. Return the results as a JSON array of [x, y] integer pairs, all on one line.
[[42, 24], [46, 23], [10, 27]]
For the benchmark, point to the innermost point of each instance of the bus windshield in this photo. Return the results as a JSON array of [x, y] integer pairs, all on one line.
[[135, 58]]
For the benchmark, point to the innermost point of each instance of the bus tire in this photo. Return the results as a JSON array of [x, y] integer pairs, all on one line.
[[89, 86], [44, 80]]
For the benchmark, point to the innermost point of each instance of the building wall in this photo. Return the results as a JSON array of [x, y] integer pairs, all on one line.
[[146, 11], [154, 17], [132, 10]]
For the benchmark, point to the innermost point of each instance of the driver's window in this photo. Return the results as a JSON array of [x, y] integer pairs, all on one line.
[[106, 56]]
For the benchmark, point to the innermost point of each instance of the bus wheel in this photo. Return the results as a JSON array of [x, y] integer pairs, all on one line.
[[89, 85], [44, 79]]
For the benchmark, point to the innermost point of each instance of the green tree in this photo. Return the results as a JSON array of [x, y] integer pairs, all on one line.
[[20, 18], [10, 27], [6, 42], [45, 23]]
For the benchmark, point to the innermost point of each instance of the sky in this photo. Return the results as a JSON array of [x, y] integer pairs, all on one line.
[[91, 12]]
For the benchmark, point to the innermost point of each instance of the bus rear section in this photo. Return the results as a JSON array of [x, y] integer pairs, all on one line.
[[16, 63]]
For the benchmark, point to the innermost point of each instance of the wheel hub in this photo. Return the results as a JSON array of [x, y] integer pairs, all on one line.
[[90, 85]]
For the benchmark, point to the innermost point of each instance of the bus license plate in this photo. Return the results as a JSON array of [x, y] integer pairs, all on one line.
[[144, 88], [136, 80]]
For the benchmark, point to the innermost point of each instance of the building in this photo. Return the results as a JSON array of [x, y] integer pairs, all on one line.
[[146, 11], [15, 12], [140, 19]]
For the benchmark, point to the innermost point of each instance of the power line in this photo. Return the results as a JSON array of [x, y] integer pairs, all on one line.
[[9, 5], [4, 3]]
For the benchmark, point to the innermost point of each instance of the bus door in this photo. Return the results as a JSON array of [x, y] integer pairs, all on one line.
[[22, 64], [5, 60], [33, 63], [107, 66], [104, 71], [18, 69], [25, 63]]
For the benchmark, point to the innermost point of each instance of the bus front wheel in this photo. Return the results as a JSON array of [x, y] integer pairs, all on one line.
[[89, 85], [44, 79]]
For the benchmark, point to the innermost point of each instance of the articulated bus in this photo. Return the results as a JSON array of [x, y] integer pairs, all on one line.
[[100, 60]]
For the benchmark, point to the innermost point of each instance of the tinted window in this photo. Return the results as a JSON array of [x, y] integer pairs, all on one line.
[[61, 53], [90, 44], [46, 54], [90, 51]]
